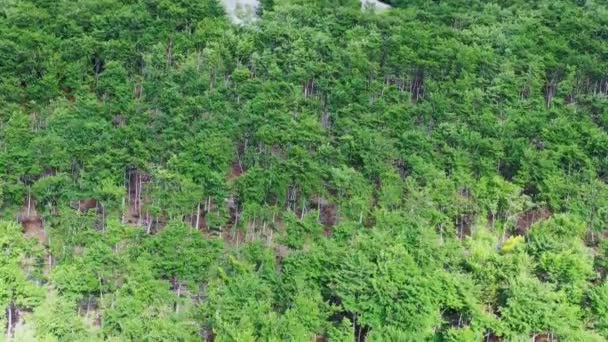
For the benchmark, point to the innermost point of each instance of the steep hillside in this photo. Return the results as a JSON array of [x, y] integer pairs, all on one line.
[[436, 171]]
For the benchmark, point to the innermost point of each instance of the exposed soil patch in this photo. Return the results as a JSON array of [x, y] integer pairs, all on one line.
[[492, 337], [32, 224], [464, 223], [328, 212], [82, 206], [529, 218], [281, 252], [236, 170], [197, 220]]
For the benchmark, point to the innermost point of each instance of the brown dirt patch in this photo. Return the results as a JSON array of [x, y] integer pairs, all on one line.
[[32, 224], [529, 218]]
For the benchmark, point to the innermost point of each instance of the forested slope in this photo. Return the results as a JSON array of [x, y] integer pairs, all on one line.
[[436, 171]]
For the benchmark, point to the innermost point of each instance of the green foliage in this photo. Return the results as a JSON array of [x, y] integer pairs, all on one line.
[[512, 243], [177, 243], [143, 309], [530, 306], [56, 320], [599, 308], [18, 257], [435, 171]]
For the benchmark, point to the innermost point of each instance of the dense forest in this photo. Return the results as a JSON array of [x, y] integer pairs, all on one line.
[[435, 171]]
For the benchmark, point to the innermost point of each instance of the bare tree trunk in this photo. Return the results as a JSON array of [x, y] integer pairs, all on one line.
[[318, 210], [236, 219], [460, 228], [136, 199], [9, 329], [129, 193], [29, 201], [355, 326], [198, 215], [50, 260], [149, 225], [100, 287], [88, 307], [122, 217], [198, 61], [270, 240], [303, 211], [139, 205], [179, 289]]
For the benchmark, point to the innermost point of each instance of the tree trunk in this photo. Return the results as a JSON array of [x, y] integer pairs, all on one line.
[[198, 215], [270, 240], [129, 192], [88, 308], [9, 328], [100, 286], [303, 211], [122, 217], [149, 226], [50, 255], [179, 289], [236, 219], [29, 201], [139, 206], [103, 216]]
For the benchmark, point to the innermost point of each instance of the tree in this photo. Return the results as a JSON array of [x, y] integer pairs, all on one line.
[[56, 320]]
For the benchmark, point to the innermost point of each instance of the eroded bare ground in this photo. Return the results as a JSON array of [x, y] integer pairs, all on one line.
[[33, 226], [530, 217]]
